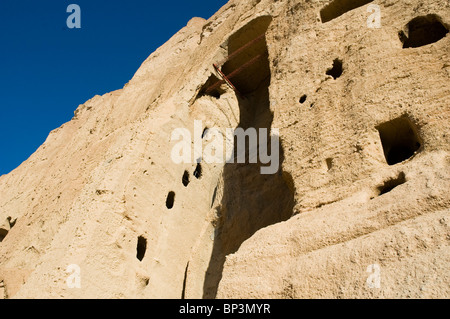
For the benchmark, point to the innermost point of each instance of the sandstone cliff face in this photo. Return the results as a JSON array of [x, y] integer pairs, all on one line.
[[363, 118]]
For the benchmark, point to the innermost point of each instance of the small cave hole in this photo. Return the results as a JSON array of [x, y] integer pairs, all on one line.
[[3, 233], [198, 171], [170, 200], [11, 222], [205, 132], [141, 247], [186, 179], [303, 99], [329, 162], [212, 87], [422, 31], [400, 140], [336, 70], [390, 184]]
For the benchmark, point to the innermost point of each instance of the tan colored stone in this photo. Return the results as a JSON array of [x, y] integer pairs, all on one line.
[[313, 230]]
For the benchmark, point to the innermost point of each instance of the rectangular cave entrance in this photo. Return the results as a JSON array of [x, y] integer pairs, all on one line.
[[251, 200], [423, 30], [400, 140], [337, 8], [246, 67]]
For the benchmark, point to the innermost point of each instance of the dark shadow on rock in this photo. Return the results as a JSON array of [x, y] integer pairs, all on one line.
[[251, 200]]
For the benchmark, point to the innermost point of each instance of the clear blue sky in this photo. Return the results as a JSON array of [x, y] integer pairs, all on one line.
[[47, 69]]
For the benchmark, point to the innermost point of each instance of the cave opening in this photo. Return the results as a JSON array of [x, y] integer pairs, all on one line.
[[423, 30], [5, 229], [392, 183], [337, 8], [141, 247], [212, 87], [170, 200], [251, 200], [198, 171], [303, 99], [3, 233], [336, 70], [186, 179], [400, 140], [329, 162]]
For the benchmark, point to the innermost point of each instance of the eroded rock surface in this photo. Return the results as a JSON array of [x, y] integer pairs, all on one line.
[[362, 189]]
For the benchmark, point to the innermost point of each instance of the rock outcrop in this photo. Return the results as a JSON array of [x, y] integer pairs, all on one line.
[[359, 92]]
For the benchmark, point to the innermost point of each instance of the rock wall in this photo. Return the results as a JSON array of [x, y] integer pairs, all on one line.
[[361, 106]]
